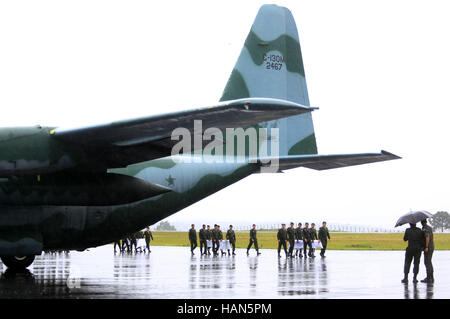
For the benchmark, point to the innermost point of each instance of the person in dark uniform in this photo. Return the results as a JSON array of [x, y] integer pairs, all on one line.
[[231, 236], [416, 242], [291, 238], [202, 238], [126, 244], [313, 236], [147, 236], [282, 237], [299, 236], [428, 251], [193, 238], [220, 238], [324, 235], [306, 239], [117, 243], [215, 240], [133, 240], [253, 240], [208, 237]]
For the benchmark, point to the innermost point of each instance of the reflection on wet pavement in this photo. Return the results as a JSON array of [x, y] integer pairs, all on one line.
[[171, 272], [297, 277]]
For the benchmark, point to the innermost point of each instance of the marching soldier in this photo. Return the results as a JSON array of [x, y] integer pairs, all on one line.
[[117, 243], [324, 235], [131, 241], [193, 238], [125, 244], [313, 236], [299, 236], [134, 240], [215, 240], [231, 236], [147, 236], [202, 238], [291, 239], [306, 239], [208, 237], [415, 238], [253, 240], [282, 237], [428, 252], [220, 238]]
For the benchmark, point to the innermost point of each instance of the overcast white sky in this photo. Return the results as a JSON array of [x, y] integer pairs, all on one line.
[[378, 70]]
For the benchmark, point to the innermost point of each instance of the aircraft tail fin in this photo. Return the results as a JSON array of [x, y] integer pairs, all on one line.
[[270, 65]]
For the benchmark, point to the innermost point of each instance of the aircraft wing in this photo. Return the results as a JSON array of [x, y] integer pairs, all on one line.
[[323, 162], [122, 143]]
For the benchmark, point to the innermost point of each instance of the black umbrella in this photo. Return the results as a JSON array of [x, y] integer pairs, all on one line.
[[413, 217]]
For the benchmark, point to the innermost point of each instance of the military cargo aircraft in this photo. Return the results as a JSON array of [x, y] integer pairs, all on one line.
[[71, 189]]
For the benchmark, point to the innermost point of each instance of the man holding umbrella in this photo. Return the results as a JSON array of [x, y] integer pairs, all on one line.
[[415, 238], [416, 241]]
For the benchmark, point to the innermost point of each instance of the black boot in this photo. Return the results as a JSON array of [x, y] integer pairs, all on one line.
[[415, 279], [405, 279]]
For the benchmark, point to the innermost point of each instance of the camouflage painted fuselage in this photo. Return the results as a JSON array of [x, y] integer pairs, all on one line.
[[28, 230]]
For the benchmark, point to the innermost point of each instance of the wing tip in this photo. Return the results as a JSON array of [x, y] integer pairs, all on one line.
[[391, 155]]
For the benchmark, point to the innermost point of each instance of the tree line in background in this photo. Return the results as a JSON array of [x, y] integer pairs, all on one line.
[[440, 221], [165, 226]]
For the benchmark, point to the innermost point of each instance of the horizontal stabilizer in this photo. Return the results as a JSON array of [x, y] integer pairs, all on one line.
[[323, 162]]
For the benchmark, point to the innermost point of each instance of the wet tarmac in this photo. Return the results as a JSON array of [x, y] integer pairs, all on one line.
[[171, 272]]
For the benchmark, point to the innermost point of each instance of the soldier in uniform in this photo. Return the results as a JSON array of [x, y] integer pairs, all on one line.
[[202, 238], [306, 239], [117, 243], [428, 252], [282, 237], [416, 239], [148, 235], [125, 244], [253, 240], [313, 236], [133, 241], [231, 236], [291, 239], [324, 235], [193, 238], [215, 241], [299, 236], [220, 238], [208, 237]]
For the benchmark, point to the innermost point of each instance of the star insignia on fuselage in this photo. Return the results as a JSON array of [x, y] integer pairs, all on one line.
[[170, 180]]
